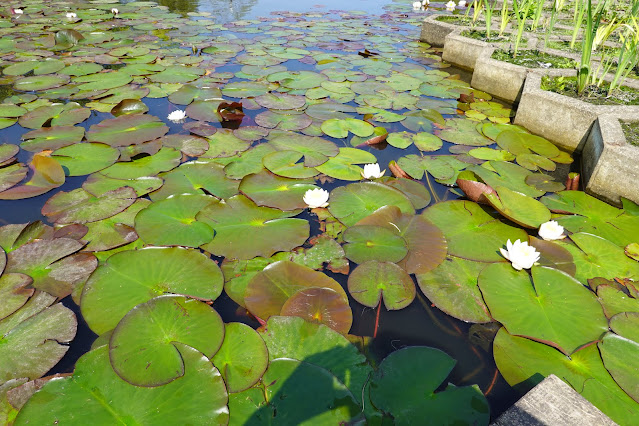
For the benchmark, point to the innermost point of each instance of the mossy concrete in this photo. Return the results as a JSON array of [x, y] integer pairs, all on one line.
[[552, 402]]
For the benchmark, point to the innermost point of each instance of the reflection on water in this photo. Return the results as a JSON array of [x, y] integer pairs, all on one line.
[[232, 10]]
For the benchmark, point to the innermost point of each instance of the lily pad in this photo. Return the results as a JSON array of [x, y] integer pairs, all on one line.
[[343, 165], [242, 358], [267, 189], [619, 355], [374, 281], [270, 230], [546, 311], [51, 138], [79, 206], [166, 159], [471, 232], [519, 208], [369, 242], [339, 128], [322, 305], [196, 177], [171, 222], [120, 284], [137, 127], [94, 383], [144, 347], [405, 383], [85, 158]]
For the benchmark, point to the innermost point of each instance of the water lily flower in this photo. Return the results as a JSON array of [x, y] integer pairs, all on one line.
[[425, 3], [18, 11], [176, 116], [315, 198], [371, 171], [520, 254], [71, 15], [451, 5], [551, 230], [461, 3], [115, 11], [417, 5]]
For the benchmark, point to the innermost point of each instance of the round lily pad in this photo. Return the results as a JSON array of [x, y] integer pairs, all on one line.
[[143, 348], [137, 127], [322, 305], [120, 283], [369, 242], [521, 209], [242, 358], [267, 189], [85, 158], [79, 206], [373, 281], [198, 396]]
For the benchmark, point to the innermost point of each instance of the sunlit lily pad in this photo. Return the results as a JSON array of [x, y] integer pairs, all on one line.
[[340, 128], [270, 230], [267, 189], [619, 355], [242, 358], [196, 177], [120, 284], [452, 287], [343, 165], [13, 292], [316, 150], [463, 132], [166, 159], [114, 231], [525, 362], [322, 305], [79, 206], [374, 281], [143, 348], [171, 222], [471, 232], [51, 138], [369, 242], [85, 158], [354, 202], [519, 208], [546, 311], [405, 384], [94, 376], [137, 127], [97, 184]]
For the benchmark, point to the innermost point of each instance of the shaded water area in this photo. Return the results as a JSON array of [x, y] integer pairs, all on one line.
[[253, 40]]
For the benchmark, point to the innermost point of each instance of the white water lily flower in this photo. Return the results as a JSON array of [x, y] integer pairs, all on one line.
[[417, 5], [71, 15], [521, 255], [176, 116], [461, 3], [451, 5], [371, 171], [115, 11], [425, 3], [551, 230], [315, 198], [18, 11]]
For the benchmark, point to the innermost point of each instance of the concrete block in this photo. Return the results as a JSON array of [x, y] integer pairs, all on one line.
[[552, 402], [434, 32], [564, 120], [609, 162], [463, 51], [505, 80]]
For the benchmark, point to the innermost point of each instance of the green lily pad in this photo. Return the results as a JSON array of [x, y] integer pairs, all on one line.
[[545, 312], [97, 184], [104, 397], [374, 281], [283, 120], [353, 202], [463, 132], [271, 230], [51, 138], [295, 338], [55, 115], [120, 283], [34, 336], [525, 363], [316, 150], [196, 177], [143, 348], [137, 127], [171, 222], [248, 162], [285, 163], [245, 89], [343, 165], [13, 292], [166, 159], [242, 358], [40, 82], [269, 289], [85, 158], [452, 287], [225, 144], [519, 208], [114, 231], [79, 206], [471, 232], [267, 189], [280, 101], [177, 74], [508, 175], [297, 79], [103, 80], [625, 325], [619, 355], [339, 128], [12, 175], [369, 242], [405, 383]]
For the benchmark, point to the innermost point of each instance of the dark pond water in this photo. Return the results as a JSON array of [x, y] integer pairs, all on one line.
[[419, 324]]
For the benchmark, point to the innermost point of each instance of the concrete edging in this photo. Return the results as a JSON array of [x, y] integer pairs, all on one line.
[[505, 80], [434, 32], [609, 162], [563, 120]]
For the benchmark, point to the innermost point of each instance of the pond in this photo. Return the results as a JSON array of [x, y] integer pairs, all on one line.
[[155, 171]]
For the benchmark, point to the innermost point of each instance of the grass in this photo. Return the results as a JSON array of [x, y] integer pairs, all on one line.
[[534, 59], [631, 132], [592, 94]]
